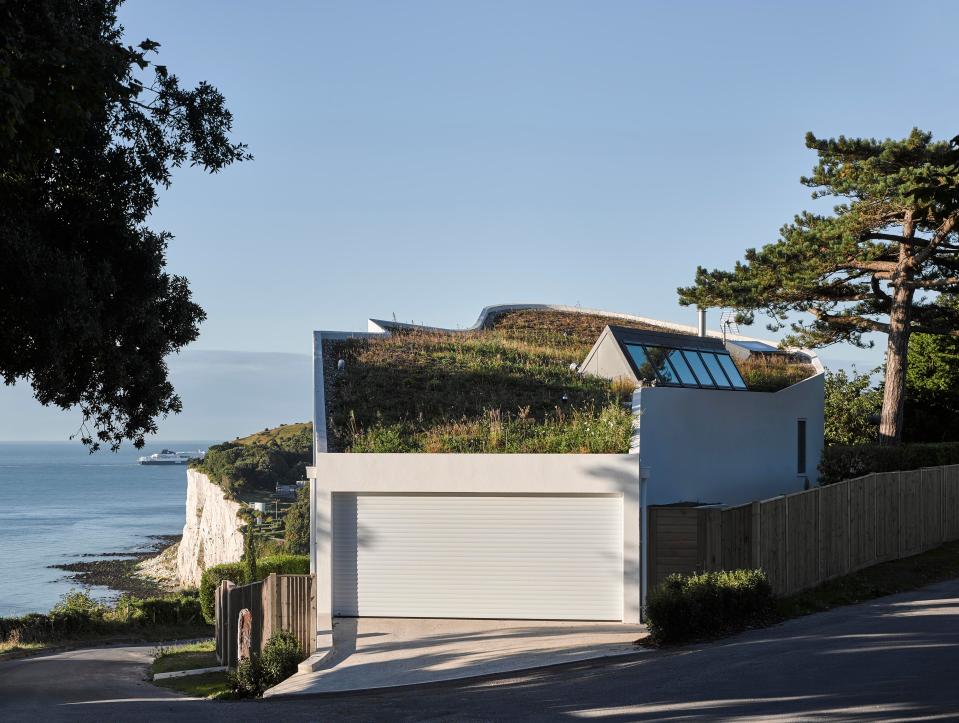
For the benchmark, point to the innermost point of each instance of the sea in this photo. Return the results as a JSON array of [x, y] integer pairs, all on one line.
[[61, 504]]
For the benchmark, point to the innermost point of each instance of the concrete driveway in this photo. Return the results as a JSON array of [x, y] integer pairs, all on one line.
[[387, 652]]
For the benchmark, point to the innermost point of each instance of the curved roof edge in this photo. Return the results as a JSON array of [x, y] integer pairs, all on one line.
[[383, 326]]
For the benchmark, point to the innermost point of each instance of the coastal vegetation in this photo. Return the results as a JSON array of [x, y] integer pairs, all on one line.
[[80, 618], [259, 462]]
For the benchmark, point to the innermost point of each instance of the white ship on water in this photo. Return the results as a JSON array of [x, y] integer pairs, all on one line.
[[168, 456]]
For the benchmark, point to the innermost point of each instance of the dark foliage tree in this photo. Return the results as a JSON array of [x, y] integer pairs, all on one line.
[[932, 386], [89, 129], [876, 264]]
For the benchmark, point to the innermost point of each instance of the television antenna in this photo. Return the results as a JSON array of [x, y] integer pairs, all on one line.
[[728, 323]]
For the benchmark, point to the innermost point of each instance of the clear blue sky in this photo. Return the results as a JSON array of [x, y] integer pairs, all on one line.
[[429, 158]]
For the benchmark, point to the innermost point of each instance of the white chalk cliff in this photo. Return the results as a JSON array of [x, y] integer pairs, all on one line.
[[212, 533]]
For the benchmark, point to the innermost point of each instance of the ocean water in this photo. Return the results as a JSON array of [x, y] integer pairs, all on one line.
[[60, 504]]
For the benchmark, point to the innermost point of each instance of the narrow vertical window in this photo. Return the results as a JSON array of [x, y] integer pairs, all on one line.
[[801, 446]]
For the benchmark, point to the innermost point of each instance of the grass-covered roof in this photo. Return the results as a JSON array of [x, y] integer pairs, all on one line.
[[509, 387], [505, 388]]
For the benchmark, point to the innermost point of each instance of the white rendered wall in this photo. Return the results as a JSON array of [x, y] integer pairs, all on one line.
[[466, 474], [728, 447]]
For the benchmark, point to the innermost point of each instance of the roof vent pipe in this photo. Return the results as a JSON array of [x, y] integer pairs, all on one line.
[[702, 321]]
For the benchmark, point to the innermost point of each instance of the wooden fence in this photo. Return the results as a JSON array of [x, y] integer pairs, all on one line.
[[280, 602], [806, 538]]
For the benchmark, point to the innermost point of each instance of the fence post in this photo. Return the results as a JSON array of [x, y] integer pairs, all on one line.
[[756, 550], [899, 517]]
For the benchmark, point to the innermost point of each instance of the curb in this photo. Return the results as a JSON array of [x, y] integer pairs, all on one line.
[[185, 673]]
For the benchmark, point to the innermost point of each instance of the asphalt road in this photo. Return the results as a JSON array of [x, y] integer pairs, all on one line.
[[892, 659]]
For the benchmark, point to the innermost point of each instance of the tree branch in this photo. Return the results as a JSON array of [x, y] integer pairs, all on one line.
[[881, 266], [947, 227], [860, 323], [932, 283]]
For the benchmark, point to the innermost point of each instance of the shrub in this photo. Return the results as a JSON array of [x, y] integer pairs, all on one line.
[[281, 654], [284, 565], [236, 572], [296, 524], [210, 581], [845, 462], [707, 605], [247, 680], [78, 615], [253, 675]]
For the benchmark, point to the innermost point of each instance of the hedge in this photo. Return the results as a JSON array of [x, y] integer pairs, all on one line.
[[840, 462], [79, 615], [708, 605], [235, 572]]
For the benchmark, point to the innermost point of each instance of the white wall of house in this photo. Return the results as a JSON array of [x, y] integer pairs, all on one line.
[[556, 480], [730, 447]]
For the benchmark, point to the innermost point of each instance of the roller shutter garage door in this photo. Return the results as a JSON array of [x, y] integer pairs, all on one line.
[[547, 557]]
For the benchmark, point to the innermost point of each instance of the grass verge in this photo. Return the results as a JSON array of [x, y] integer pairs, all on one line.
[[888, 578], [188, 656], [208, 685], [191, 656]]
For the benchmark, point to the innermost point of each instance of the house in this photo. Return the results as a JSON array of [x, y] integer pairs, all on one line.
[[647, 411]]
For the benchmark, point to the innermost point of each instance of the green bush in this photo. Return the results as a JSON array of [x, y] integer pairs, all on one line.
[[236, 572], [296, 524], [78, 615], [707, 605], [247, 679], [210, 581], [281, 654], [846, 462], [252, 676]]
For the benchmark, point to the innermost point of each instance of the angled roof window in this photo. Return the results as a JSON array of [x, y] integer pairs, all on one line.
[[677, 360]]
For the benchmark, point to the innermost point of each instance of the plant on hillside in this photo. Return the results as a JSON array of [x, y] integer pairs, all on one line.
[[242, 466], [296, 524], [876, 264]]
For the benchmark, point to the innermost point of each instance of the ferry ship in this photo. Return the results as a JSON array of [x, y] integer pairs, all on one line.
[[168, 456]]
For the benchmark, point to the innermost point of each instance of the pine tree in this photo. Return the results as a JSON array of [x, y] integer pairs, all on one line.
[[876, 264]]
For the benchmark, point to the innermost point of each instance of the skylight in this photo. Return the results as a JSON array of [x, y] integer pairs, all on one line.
[[680, 367]]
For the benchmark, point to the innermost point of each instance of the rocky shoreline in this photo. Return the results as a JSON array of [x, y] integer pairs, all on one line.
[[143, 572]]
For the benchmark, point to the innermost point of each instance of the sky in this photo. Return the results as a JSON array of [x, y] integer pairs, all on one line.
[[426, 159]]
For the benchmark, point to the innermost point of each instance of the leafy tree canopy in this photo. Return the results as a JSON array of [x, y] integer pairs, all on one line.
[[934, 361], [876, 264], [850, 406], [89, 128]]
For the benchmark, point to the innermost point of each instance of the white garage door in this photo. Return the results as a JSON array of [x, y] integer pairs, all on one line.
[[478, 556]]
